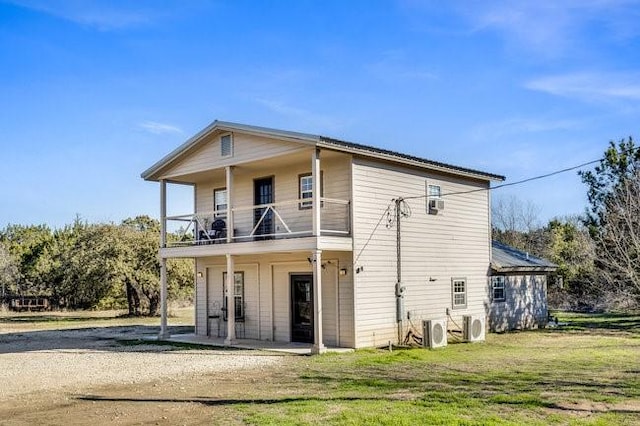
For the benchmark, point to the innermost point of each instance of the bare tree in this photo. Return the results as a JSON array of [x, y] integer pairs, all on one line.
[[619, 237], [510, 213], [515, 222]]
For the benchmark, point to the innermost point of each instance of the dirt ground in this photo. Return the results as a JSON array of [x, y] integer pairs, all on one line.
[[93, 376]]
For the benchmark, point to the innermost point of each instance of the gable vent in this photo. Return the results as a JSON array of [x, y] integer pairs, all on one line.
[[226, 146]]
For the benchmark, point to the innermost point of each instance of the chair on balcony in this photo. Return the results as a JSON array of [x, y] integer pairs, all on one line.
[[218, 232]]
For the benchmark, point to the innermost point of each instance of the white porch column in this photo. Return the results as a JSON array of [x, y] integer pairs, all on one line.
[[228, 172], [231, 302], [163, 213], [315, 177], [318, 345], [164, 332]]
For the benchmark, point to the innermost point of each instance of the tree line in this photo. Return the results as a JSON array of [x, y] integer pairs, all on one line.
[[91, 266], [597, 253], [83, 266]]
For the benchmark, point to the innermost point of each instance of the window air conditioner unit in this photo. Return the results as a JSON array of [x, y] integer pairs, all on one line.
[[474, 328], [435, 333], [435, 205]]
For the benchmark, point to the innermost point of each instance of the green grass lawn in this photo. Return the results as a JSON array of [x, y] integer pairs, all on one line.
[[587, 372], [59, 320]]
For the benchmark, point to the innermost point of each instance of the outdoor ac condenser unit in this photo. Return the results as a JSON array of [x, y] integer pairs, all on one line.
[[436, 205], [435, 333], [474, 328]]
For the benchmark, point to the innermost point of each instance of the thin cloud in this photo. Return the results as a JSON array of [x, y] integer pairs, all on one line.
[[302, 116], [102, 15], [518, 126], [551, 27], [590, 86], [159, 128], [394, 65]]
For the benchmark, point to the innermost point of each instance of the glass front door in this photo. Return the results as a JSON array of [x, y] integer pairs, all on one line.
[[302, 308]]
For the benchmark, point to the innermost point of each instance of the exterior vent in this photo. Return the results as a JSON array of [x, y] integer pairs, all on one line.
[[226, 146], [474, 328], [436, 205], [435, 333]]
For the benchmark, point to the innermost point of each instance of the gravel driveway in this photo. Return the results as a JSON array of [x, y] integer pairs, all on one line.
[[73, 360]]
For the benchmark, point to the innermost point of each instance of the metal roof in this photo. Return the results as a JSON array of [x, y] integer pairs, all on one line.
[[509, 259], [312, 140]]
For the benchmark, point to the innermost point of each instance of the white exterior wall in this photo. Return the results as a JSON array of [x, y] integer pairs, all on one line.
[[525, 304], [267, 295], [435, 249]]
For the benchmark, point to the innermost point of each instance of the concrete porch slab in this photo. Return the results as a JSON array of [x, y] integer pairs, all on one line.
[[263, 345]]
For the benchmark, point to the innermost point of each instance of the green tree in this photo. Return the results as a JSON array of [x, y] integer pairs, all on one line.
[[30, 247], [8, 272], [620, 162], [614, 211]]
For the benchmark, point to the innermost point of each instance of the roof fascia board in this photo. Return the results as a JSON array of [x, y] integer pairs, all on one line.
[[407, 161], [224, 126], [502, 269]]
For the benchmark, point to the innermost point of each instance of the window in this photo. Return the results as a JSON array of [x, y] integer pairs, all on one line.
[[220, 203], [238, 295], [305, 189], [497, 289], [459, 291], [433, 191], [226, 146]]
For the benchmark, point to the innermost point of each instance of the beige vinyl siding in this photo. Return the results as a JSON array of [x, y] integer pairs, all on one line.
[[245, 148], [201, 300], [435, 249], [267, 295], [525, 304]]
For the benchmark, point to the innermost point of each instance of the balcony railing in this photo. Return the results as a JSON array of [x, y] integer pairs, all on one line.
[[286, 219]]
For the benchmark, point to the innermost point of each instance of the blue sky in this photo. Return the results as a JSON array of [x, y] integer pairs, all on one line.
[[94, 92]]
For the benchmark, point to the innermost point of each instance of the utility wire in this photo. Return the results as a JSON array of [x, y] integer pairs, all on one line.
[[406, 210], [568, 169], [386, 212]]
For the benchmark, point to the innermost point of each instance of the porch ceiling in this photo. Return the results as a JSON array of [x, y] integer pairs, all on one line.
[[264, 165]]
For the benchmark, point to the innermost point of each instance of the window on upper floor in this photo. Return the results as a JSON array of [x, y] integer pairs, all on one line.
[[305, 189], [459, 292], [433, 199], [220, 203], [226, 145], [497, 289], [434, 191]]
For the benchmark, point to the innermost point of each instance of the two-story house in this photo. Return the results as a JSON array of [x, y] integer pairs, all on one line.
[[303, 238]]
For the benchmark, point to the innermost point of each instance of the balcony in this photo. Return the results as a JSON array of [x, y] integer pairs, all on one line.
[[274, 221]]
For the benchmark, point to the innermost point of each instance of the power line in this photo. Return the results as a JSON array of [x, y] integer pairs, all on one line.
[[568, 169], [391, 220]]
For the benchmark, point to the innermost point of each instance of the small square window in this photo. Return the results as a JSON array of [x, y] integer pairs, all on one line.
[[497, 289], [226, 146], [459, 292]]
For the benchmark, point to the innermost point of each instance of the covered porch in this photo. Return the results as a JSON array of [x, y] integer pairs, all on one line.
[[300, 299]]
